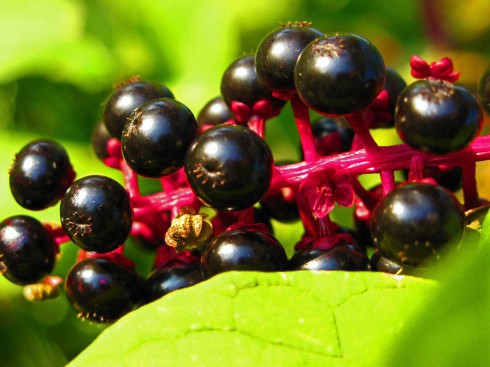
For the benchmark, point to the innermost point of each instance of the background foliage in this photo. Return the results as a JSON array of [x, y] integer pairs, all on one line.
[[60, 58]]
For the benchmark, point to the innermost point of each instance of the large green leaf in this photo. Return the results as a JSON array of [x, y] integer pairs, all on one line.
[[265, 319]]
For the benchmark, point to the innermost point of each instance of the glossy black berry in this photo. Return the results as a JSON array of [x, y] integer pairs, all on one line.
[[40, 174], [128, 97], [27, 250], [229, 167], [415, 222], [437, 117], [240, 83], [96, 213], [332, 135], [341, 257], [156, 137], [277, 54], [339, 75], [215, 112], [103, 289], [243, 249], [484, 90], [170, 278]]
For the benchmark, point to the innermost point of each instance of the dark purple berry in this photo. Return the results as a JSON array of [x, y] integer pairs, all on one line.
[[27, 250], [172, 277], [215, 112], [378, 262], [156, 137], [415, 222], [96, 214], [103, 289], [332, 135], [484, 90], [229, 167], [100, 137], [277, 54], [243, 249], [450, 177], [437, 117], [280, 203], [341, 257], [127, 98], [240, 83], [339, 75], [40, 174], [393, 86]]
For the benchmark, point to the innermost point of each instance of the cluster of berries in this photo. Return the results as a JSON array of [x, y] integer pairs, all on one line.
[[220, 160]]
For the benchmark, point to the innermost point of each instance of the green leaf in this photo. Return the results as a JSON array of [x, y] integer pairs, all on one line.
[[453, 329], [265, 319]]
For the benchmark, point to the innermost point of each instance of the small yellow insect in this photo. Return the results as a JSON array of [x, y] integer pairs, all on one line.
[[189, 231]]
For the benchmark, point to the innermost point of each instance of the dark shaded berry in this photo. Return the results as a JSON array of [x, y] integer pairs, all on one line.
[[378, 262], [341, 257], [99, 139], [450, 177], [229, 167], [96, 214], [156, 137], [127, 98], [243, 249], [103, 289], [332, 135], [226, 218], [215, 112], [280, 203], [240, 83], [172, 277], [27, 250], [483, 90], [393, 85], [339, 75], [437, 117], [277, 54], [40, 174], [415, 222], [362, 215]]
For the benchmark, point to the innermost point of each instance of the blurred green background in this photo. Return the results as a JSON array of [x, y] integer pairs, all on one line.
[[59, 59]]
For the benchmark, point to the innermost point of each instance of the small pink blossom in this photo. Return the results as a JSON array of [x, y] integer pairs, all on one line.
[[322, 189]]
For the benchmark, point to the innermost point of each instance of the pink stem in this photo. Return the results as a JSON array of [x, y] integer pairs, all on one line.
[[356, 121], [391, 158], [257, 124], [246, 216], [326, 228], [417, 165], [302, 117], [470, 189], [130, 181], [388, 181]]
